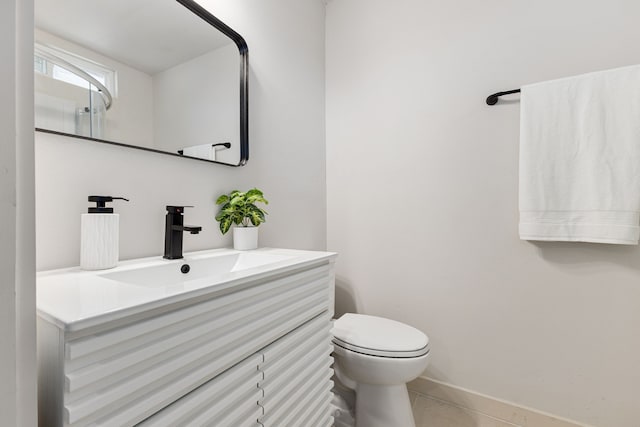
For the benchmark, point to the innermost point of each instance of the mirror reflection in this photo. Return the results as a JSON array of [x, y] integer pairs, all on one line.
[[145, 73]]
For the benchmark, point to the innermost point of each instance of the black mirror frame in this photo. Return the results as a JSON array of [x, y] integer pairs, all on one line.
[[243, 49]]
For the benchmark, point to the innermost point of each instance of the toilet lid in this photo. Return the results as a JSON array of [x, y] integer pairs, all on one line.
[[379, 336]]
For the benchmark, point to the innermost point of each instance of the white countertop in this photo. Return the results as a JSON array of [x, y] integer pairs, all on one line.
[[74, 299]]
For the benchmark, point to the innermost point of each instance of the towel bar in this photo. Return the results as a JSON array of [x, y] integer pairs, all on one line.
[[493, 98]]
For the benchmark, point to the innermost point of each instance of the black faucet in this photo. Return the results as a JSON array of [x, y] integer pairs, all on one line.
[[174, 226]]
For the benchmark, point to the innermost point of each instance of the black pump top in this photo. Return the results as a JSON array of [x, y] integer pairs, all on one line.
[[101, 206]]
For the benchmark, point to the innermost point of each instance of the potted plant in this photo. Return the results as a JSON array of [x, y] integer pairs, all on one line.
[[239, 208]]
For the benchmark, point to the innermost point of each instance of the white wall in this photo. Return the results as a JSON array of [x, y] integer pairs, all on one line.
[[204, 111], [286, 96], [422, 198], [17, 252]]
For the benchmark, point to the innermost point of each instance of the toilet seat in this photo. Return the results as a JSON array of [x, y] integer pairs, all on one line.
[[377, 336], [381, 353]]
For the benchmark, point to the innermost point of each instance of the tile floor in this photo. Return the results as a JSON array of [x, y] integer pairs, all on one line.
[[430, 412]]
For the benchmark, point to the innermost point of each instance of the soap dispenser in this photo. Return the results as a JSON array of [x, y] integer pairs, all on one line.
[[99, 230]]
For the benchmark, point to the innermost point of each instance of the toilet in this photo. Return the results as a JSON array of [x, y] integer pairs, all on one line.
[[376, 357]]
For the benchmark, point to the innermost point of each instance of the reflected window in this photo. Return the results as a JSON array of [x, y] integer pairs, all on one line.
[[104, 75]]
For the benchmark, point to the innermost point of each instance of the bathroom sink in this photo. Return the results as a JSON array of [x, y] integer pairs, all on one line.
[[74, 299], [212, 269]]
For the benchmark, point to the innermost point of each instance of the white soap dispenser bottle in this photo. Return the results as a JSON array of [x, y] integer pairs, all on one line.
[[99, 235]]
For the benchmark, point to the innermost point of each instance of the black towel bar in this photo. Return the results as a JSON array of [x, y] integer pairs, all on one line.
[[493, 98]]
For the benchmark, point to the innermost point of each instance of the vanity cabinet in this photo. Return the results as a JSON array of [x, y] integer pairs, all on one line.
[[257, 353]]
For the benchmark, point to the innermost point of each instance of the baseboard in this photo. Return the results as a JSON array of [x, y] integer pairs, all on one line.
[[469, 401]]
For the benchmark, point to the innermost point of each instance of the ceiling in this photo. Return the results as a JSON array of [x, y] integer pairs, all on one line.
[[149, 35]]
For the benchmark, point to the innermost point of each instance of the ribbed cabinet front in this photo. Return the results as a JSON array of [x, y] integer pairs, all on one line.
[[297, 375]]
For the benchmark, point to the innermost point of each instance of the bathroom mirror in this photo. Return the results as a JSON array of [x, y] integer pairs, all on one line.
[[159, 75]]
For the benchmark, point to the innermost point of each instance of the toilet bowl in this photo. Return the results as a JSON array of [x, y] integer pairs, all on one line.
[[376, 357]]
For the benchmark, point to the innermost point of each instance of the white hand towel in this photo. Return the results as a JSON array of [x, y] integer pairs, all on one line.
[[580, 158], [202, 151]]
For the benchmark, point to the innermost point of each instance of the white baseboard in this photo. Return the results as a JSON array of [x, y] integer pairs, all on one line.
[[470, 401]]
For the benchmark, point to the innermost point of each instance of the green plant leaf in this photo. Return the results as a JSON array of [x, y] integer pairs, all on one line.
[[256, 199], [254, 195], [256, 219], [224, 210], [259, 212], [254, 192], [238, 200], [256, 215], [225, 224], [222, 199]]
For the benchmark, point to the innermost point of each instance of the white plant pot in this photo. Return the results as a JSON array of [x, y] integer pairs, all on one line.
[[245, 238]]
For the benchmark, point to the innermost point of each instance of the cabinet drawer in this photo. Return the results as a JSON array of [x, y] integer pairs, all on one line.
[[122, 376], [297, 377], [229, 400]]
